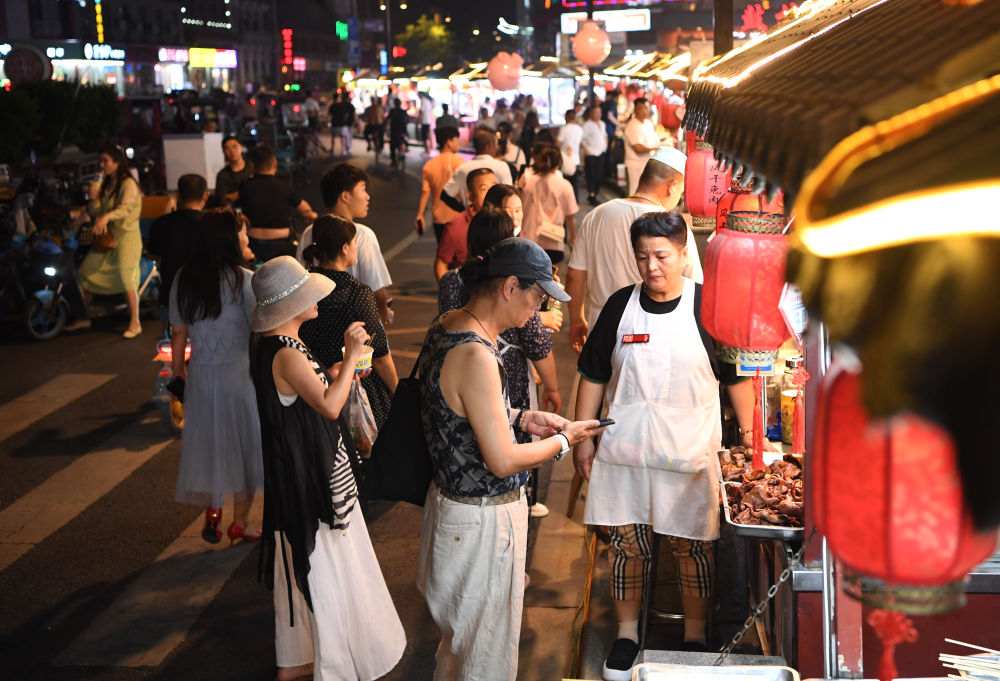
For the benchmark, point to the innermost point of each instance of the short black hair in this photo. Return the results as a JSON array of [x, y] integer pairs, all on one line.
[[482, 139], [669, 224], [640, 100], [341, 178], [473, 174], [191, 187], [230, 137], [263, 157], [444, 134]]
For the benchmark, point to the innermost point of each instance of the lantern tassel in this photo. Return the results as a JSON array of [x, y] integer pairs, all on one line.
[[892, 628], [757, 459]]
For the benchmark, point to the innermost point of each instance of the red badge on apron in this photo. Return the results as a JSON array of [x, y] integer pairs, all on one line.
[[635, 338]]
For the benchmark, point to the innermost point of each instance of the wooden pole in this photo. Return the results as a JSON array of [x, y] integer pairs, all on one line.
[[723, 26]]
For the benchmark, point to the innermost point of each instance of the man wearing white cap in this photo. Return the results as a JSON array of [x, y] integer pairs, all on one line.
[[641, 141], [602, 261]]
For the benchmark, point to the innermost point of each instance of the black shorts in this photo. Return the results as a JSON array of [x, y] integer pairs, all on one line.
[[425, 132]]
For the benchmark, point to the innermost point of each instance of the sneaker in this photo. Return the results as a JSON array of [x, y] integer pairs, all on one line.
[[539, 510], [623, 656]]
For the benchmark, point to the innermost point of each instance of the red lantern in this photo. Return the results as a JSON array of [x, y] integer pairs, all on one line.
[[888, 498], [704, 183], [591, 44], [742, 200], [744, 277]]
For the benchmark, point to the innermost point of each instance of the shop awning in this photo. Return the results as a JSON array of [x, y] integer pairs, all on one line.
[[549, 67], [674, 71], [637, 65], [470, 72], [778, 104]]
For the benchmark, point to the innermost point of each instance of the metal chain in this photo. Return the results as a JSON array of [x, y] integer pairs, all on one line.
[[759, 610]]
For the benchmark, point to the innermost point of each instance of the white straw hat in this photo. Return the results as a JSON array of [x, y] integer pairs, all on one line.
[[283, 289]]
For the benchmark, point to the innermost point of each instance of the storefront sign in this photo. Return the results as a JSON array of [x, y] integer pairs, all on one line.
[[793, 311], [615, 20], [103, 52], [177, 55], [374, 25], [208, 58]]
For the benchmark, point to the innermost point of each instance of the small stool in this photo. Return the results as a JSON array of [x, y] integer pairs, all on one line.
[[649, 593]]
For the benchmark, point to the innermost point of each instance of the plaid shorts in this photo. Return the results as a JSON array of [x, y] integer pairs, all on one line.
[[630, 556]]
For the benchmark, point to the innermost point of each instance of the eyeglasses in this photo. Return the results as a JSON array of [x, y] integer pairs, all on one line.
[[543, 302]]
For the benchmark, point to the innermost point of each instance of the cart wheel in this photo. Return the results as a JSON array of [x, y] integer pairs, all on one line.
[[172, 413], [43, 323]]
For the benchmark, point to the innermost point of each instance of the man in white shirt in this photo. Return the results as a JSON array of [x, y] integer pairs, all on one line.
[[603, 261], [455, 193], [426, 120], [344, 189], [570, 136], [641, 141], [593, 144]]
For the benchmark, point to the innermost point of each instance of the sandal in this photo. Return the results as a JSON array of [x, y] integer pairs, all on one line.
[[131, 333]]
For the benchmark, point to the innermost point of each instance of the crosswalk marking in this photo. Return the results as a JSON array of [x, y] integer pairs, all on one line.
[[153, 615], [400, 246], [53, 503], [46, 399]]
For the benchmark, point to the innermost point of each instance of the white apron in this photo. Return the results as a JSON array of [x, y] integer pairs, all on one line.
[[657, 464]]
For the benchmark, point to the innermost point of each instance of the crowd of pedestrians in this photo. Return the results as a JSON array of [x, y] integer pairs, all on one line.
[[503, 221]]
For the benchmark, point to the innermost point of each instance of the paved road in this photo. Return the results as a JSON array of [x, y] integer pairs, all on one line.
[[103, 576]]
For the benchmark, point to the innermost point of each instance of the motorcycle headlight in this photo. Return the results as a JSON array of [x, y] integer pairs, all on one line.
[[49, 271]]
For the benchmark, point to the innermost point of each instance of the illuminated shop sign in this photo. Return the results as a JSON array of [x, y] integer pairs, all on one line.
[[615, 20], [206, 57], [173, 54], [103, 52]]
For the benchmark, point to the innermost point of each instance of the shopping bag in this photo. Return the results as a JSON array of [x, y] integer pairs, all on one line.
[[360, 420], [400, 467]]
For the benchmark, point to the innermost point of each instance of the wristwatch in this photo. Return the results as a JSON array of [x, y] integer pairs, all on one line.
[[564, 449]]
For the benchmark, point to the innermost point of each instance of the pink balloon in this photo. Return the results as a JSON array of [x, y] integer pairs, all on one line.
[[504, 71], [591, 44]]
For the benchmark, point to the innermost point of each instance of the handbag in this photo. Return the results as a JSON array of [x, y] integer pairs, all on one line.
[[552, 231], [104, 243], [400, 466]]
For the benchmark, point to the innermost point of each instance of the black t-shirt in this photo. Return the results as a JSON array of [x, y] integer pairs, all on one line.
[[172, 238], [268, 202], [397, 123], [595, 359], [227, 181], [341, 114], [608, 107]]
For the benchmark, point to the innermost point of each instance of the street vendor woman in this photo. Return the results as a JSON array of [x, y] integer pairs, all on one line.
[[655, 469]]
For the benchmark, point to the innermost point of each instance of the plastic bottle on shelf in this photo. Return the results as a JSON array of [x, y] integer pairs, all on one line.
[[788, 393]]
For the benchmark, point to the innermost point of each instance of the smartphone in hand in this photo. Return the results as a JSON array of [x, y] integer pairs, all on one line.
[[605, 422]]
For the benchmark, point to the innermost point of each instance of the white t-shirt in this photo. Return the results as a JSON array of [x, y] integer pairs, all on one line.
[[369, 269], [643, 133], [456, 185], [595, 138], [570, 136], [604, 250], [426, 111]]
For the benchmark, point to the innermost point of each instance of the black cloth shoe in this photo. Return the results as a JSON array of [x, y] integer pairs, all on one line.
[[694, 647], [592, 200], [623, 656]]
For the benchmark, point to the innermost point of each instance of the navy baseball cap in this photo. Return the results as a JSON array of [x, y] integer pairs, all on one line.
[[527, 261]]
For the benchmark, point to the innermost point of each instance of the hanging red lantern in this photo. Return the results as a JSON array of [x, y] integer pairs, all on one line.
[[744, 277], [744, 201], [591, 44], [704, 182], [888, 497]]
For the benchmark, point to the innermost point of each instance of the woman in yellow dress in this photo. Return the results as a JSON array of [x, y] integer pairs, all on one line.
[[115, 205]]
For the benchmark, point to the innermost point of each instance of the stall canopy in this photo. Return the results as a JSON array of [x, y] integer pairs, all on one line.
[[471, 71], [778, 104], [549, 67], [640, 66]]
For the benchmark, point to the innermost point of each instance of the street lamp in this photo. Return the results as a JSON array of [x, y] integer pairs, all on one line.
[[475, 31]]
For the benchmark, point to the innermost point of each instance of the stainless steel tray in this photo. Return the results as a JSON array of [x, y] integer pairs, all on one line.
[[758, 531], [651, 671]]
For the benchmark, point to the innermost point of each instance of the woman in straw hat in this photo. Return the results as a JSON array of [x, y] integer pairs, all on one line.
[[334, 618]]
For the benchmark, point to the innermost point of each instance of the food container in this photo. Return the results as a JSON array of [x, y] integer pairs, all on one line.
[[650, 671], [757, 531], [364, 362]]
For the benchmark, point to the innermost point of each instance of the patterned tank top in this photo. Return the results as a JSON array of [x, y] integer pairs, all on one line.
[[458, 463]]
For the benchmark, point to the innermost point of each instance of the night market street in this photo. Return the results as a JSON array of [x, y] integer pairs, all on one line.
[[103, 576]]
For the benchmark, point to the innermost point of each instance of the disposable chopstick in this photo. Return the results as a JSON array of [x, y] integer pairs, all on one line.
[[970, 645]]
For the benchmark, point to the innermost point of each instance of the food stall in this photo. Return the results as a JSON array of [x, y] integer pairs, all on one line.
[[553, 88], [858, 141]]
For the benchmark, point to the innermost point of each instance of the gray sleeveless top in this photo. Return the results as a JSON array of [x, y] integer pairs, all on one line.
[[458, 463]]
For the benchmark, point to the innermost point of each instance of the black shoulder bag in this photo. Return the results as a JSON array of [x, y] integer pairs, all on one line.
[[400, 467]]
